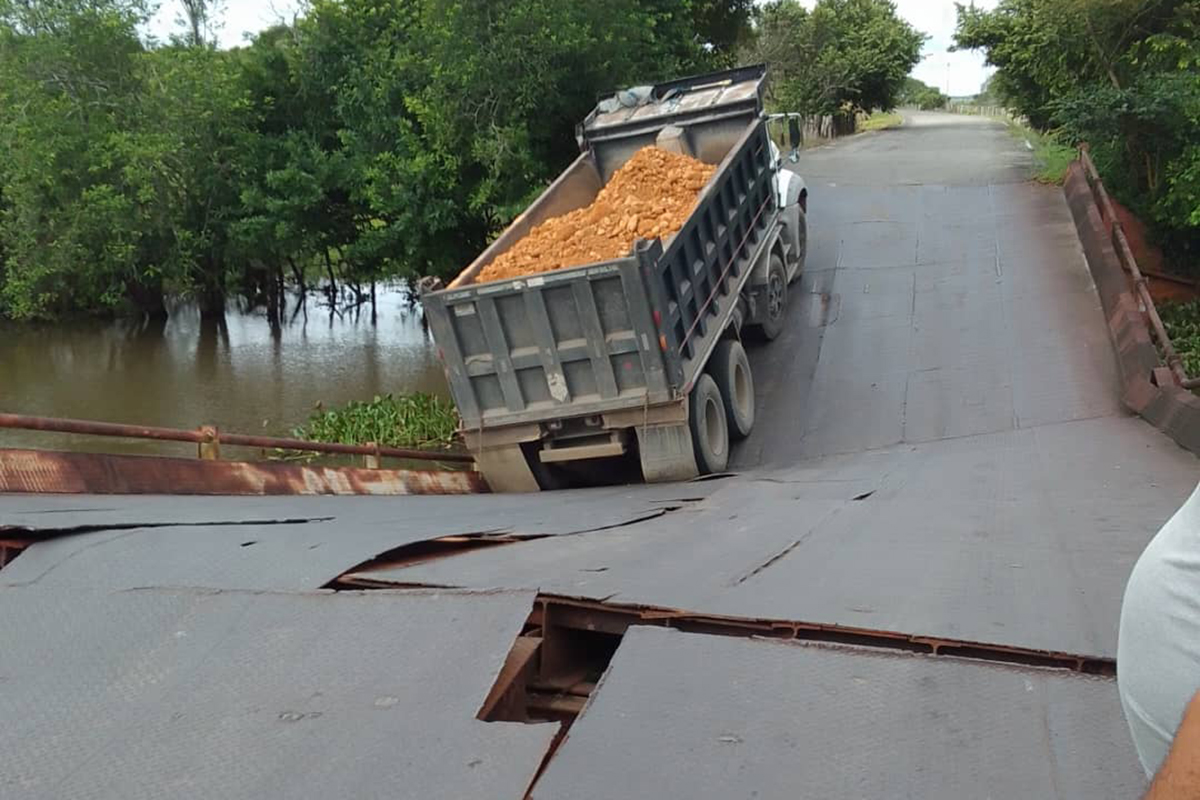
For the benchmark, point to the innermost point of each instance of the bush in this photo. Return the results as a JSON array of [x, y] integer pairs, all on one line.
[[415, 420], [921, 95], [1051, 157], [1182, 321]]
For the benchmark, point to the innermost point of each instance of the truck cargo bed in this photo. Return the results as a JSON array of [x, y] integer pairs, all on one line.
[[632, 331]]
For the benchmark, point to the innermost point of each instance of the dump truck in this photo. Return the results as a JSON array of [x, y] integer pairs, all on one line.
[[575, 374]]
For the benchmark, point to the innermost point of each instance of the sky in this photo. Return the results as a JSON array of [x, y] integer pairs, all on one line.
[[237, 19], [954, 73]]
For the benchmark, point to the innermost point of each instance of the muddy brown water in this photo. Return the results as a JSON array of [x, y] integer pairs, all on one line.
[[239, 376]]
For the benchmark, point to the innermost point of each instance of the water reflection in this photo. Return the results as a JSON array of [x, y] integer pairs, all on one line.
[[242, 373]]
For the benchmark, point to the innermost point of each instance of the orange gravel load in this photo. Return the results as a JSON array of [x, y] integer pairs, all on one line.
[[649, 197]]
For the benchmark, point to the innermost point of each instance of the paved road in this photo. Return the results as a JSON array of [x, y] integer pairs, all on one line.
[[939, 453], [945, 296], [946, 354]]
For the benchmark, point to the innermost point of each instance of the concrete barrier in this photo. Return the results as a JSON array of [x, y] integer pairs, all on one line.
[[1149, 389]]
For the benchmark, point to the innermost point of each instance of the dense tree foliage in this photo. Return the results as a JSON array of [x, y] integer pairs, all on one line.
[[1123, 75], [922, 95], [843, 55], [368, 139]]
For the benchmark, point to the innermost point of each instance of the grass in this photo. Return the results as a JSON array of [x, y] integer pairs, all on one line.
[[880, 120], [1051, 157], [409, 420], [1182, 321]]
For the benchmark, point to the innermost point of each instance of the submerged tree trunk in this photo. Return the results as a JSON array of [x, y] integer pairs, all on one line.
[[298, 275], [212, 305], [332, 279], [281, 290], [274, 314], [148, 299], [212, 297]]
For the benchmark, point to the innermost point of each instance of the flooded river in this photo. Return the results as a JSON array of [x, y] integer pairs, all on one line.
[[240, 376]]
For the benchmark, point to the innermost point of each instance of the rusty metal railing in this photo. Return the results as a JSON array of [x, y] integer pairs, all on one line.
[[1120, 244], [209, 438]]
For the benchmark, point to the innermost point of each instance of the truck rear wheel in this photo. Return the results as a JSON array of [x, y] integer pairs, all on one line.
[[710, 428], [775, 297], [730, 369]]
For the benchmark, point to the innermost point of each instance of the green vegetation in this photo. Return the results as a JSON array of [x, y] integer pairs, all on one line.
[[880, 120], [408, 420], [367, 140], [1182, 321], [1051, 157], [1122, 75], [840, 58], [922, 95]]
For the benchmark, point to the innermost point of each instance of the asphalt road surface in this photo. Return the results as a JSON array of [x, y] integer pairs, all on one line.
[[944, 296], [940, 456]]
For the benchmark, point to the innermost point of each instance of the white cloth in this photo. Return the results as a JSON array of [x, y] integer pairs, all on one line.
[[1158, 647]]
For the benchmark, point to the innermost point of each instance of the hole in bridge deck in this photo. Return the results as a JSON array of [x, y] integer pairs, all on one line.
[[548, 676], [425, 550], [10, 549], [549, 673], [566, 645]]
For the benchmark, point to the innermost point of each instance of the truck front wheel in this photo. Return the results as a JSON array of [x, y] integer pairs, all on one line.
[[774, 296], [710, 429]]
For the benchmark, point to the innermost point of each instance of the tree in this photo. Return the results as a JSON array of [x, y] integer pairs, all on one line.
[[199, 20], [1123, 75], [448, 116], [367, 140], [843, 55], [923, 96], [68, 78], [723, 26]]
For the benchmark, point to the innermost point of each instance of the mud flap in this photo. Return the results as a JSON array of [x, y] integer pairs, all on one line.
[[506, 469], [666, 453]]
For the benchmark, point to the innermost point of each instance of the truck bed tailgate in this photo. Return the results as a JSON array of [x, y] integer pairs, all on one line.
[[575, 342]]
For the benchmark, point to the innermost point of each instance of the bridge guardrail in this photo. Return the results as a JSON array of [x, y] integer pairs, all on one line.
[[209, 438], [1120, 243]]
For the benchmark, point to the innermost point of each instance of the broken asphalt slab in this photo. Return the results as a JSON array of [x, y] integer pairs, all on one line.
[[1023, 538], [291, 556], [153, 693], [689, 716], [50, 514]]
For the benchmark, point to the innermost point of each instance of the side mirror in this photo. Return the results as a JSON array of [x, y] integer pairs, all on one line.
[[795, 137]]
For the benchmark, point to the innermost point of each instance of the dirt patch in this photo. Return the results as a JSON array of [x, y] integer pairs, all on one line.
[[1166, 290], [649, 197], [1165, 285]]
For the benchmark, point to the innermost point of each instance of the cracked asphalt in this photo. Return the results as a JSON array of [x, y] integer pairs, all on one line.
[[939, 454]]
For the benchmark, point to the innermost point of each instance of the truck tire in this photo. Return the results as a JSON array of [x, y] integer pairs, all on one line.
[[730, 369], [775, 299], [710, 429], [802, 239]]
